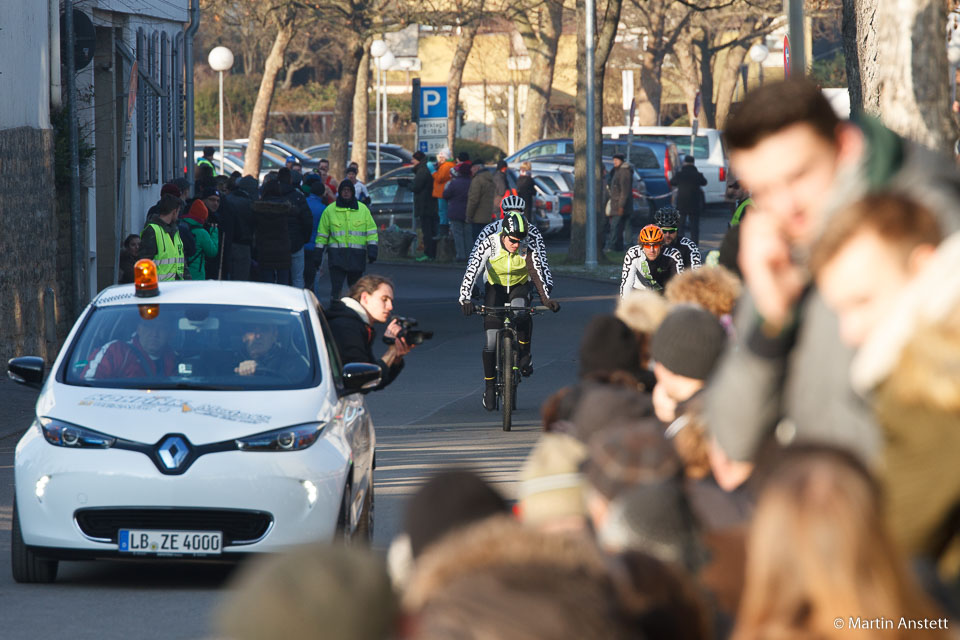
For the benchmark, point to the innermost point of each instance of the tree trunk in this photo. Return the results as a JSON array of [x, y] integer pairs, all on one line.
[[261, 109], [361, 111], [707, 105], [455, 79], [905, 82], [540, 30], [851, 52], [727, 83], [606, 31], [651, 87], [352, 53]]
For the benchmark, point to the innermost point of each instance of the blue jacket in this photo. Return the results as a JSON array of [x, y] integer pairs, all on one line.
[[316, 208]]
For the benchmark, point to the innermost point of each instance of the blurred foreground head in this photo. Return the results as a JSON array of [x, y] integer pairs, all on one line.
[[819, 549], [310, 592], [787, 146]]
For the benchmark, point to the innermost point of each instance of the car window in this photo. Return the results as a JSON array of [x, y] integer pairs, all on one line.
[[701, 146], [193, 346], [384, 191], [568, 178], [389, 157], [550, 183], [641, 156]]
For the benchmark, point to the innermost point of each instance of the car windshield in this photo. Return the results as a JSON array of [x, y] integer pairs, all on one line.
[[641, 157], [701, 145], [193, 346]]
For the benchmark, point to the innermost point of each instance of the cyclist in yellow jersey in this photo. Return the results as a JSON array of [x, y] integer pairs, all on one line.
[[509, 266]]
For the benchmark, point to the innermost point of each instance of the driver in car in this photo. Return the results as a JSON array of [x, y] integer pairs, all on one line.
[[262, 350], [146, 354]]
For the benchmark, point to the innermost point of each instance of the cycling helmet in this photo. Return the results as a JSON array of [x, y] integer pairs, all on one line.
[[650, 234], [668, 217], [511, 203], [514, 225]]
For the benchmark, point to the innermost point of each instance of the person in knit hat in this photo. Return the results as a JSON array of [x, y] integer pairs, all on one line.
[[551, 485], [609, 345], [206, 237], [685, 348]]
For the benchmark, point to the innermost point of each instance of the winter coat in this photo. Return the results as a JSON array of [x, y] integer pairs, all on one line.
[[348, 232], [499, 188], [527, 189], [272, 232], [688, 182], [441, 177], [480, 198], [206, 248], [148, 239], [299, 225], [240, 206], [424, 204], [354, 335], [315, 202], [455, 193], [621, 191]]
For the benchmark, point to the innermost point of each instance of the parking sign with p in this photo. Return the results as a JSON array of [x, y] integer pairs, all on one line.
[[433, 102]]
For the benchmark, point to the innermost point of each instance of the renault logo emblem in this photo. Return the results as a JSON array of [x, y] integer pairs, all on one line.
[[173, 450]]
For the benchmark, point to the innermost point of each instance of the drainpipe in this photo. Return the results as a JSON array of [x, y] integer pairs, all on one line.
[[53, 29], [78, 229], [188, 85]]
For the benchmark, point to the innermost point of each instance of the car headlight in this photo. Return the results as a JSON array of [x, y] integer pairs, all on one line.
[[64, 434], [292, 438]]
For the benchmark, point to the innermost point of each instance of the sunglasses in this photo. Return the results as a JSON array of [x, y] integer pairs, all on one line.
[[668, 229], [512, 239], [651, 245]]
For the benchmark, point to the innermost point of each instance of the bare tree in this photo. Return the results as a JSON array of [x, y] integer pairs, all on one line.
[[607, 22], [904, 82], [284, 15], [361, 112], [539, 26], [455, 78]]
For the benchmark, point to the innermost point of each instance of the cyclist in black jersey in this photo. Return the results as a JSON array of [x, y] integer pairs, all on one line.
[[668, 219]]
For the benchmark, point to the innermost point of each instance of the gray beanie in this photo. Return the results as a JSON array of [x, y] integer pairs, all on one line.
[[689, 342]]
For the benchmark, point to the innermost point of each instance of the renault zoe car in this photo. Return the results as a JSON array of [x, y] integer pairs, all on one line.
[[210, 420]]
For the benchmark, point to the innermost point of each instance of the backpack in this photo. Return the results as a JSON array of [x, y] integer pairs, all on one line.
[[188, 239]]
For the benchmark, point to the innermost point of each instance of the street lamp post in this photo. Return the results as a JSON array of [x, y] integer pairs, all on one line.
[[758, 53], [386, 62], [220, 60], [378, 48]]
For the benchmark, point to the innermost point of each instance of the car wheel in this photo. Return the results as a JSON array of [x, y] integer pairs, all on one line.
[[365, 526], [26, 565]]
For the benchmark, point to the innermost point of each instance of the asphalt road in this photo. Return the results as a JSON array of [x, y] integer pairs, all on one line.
[[431, 418]]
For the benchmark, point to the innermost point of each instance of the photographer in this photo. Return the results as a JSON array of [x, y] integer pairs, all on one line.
[[352, 318]]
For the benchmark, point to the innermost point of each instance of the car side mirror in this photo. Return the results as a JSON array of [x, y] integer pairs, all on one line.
[[360, 376], [27, 370]]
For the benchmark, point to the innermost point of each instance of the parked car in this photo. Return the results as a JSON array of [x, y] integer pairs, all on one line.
[[183, 457], [547, 205], [281, 149], [392, 156], [391, 200], [707, 150], [233, 161]]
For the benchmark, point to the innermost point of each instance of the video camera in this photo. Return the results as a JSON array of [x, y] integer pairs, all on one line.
[[409, 332]]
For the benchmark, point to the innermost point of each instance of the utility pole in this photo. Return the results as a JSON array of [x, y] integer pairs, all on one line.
[[798, 54], [590, 44], [78, 231]]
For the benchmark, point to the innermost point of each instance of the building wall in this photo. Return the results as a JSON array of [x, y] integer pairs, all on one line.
[[24, 65]]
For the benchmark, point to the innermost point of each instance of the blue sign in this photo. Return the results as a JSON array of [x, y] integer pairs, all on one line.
[[424, 146], [433, 102]]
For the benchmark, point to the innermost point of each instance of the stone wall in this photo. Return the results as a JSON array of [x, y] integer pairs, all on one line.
[[33, 316]]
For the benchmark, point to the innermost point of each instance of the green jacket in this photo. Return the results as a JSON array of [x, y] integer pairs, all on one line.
[[349, 234], [207, 244]]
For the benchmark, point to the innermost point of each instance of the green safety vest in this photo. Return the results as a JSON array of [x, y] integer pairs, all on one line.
[[169, 257], [507, 269], [735, 220], [203, 160]]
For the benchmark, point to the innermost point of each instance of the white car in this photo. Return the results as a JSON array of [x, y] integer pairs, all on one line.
[[211, 420], [709, 154]]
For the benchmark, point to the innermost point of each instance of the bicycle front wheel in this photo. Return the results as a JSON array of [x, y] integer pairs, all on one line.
[[506, 376]]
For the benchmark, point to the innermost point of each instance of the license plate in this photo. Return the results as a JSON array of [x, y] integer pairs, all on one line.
[[195, 543]]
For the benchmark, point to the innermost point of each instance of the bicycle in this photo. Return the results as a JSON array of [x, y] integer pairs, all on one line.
[[508, 370]]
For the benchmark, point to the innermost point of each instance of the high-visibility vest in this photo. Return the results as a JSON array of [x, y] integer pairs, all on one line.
[[203, 160], [169, 258], [739, 212]]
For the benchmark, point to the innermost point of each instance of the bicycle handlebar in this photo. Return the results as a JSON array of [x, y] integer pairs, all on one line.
[[483, 309]]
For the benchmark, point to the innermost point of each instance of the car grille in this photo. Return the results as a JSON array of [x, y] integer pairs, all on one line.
[[238, 526]]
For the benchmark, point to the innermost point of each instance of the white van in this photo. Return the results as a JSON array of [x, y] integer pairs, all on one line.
[[708, 152]]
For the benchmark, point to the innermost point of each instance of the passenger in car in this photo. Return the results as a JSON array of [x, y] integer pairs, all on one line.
[[146, 354]]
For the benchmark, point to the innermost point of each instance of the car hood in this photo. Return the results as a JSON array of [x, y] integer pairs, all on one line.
[[203, 416]]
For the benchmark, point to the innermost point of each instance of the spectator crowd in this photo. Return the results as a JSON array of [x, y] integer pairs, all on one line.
[[752, 453]]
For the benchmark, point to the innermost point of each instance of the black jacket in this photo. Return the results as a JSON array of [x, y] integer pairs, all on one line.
[[240, 205], [621, 190], [527, 189], [273, 237], [354, 338], [424, 204], [688, 182], [300, 222]]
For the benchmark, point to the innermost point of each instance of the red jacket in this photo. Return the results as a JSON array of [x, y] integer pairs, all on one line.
[[118, 359]]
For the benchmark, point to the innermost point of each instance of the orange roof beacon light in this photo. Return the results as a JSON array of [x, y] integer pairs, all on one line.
[[145, 278]]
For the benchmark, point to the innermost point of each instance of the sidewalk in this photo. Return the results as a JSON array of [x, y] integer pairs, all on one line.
[[18, 404]]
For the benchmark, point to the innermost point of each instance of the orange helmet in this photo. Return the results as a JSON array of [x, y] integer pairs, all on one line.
[[650, 234]]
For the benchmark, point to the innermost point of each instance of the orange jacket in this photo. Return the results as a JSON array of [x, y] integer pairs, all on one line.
[[441, 177]]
